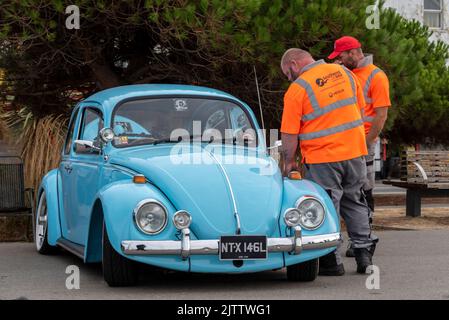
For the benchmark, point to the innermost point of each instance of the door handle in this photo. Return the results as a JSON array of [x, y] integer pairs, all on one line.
[[68, 168]]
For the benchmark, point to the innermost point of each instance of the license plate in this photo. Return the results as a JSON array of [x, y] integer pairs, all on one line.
[[243, 247]]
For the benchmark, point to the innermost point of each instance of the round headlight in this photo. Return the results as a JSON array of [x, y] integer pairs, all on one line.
[[182, 220], [150, 216], [291, 217], [311, 211], [106, 134]]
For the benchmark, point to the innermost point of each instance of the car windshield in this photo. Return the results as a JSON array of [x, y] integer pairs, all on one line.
[[169, 120]]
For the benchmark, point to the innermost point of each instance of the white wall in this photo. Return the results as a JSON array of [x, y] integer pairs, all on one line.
[[414, 9]]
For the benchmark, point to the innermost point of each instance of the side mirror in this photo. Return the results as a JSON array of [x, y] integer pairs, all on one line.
[[86, 146]]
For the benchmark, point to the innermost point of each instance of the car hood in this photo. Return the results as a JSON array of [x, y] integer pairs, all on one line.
[[210, 183]]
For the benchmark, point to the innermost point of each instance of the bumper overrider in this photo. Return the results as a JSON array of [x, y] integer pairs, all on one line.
[[187, 247]]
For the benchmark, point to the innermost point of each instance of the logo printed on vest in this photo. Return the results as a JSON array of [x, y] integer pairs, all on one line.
[[321, 82], [334, 76], [331, 94]]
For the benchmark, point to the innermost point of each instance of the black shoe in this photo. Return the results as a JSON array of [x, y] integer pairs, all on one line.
[[329, 267], [337, 270], [364, 258], [350, 253]]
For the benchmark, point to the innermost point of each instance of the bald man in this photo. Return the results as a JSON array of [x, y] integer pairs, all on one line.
[[322, 110]]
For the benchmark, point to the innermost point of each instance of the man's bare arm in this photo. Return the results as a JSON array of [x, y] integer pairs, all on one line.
[[289, 148], [378, 124]]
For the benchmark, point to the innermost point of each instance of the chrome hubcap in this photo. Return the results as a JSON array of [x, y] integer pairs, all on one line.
[[41, 222]]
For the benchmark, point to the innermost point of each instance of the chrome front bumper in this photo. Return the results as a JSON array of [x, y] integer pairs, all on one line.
[[186, 247]]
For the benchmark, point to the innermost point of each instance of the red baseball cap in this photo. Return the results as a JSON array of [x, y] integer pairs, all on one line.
[[343, 44]]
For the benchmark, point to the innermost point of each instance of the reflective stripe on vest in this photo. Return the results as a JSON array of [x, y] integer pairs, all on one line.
[[329, 131], [366, 118], [368, 84], [368, 100], [317, 111]]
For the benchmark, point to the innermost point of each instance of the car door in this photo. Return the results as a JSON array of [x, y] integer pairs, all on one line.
[[82, 185], [65, 171]]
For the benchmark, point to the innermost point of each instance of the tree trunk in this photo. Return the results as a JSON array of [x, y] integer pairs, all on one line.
[[105, 77]]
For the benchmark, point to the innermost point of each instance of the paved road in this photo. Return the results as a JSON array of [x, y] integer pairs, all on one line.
[[413, 265], [383, 189]]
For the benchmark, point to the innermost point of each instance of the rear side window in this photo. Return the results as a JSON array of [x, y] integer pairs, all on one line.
[[69, 138]]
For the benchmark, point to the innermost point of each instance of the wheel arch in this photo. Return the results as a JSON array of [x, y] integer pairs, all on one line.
[[93, 251], [50, 184]]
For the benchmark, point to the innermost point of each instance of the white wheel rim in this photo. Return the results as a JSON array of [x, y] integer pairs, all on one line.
[[41, 221]]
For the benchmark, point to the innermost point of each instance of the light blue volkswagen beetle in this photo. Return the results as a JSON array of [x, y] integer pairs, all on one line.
[[179, 177]]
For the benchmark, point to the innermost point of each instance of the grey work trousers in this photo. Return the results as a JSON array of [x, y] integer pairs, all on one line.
[[344, 182], [370, 173]]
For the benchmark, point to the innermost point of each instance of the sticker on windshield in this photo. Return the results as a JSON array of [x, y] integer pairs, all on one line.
[[123, 140], [181, 105]]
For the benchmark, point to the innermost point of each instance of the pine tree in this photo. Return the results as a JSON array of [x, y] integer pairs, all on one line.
[[213, 43]]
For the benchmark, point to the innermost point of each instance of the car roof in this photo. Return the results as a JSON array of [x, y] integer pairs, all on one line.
[[110, 97]]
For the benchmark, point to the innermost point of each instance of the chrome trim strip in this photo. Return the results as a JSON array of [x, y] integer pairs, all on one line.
[[124, 169], [294, 244], [236, 214]]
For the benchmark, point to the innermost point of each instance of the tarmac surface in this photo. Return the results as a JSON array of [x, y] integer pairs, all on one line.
[[412, 265]]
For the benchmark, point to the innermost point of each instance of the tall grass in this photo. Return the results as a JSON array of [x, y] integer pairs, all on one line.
[[40, 139], [42, 142]]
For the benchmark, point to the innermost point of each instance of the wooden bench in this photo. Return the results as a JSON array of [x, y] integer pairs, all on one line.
[[423, 174]]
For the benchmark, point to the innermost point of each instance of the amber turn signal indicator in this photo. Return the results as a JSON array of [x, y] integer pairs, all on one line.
[[139, 179], [294, 175]]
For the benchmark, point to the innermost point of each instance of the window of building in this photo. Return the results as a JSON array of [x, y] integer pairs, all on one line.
[[433, 13]]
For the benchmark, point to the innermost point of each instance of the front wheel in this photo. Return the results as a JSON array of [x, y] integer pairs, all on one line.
[[303, 272], [117, 270], [41, 227]]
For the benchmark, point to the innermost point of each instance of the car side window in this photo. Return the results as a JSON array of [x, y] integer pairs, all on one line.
[[92, 124], [69, 138]]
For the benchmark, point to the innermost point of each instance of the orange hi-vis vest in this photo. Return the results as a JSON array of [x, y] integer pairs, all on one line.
[[323, 107], [376, 89]]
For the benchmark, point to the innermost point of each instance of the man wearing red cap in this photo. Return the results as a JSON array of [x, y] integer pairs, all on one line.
[[376, 89]]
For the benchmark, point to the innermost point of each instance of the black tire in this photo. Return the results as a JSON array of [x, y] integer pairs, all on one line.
[[41, 240], [303, 272], [117, 270]]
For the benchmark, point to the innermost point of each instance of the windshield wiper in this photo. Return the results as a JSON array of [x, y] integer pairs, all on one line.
[[223, 140], [144, 135], [179, 139], [168, 140]]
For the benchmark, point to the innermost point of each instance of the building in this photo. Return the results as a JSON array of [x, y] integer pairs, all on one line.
[[432, 13], [435, 15]]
